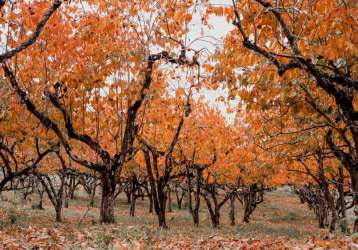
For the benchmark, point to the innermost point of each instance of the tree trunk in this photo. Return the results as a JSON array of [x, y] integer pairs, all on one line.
[[249, 202], [215, 219], [195, 219], [157, 188], [196, 208], [169, 200], [321, 218], [66, 195], [232, 211], [321, 212], [132, 206], [179, 197], [41, 195], [162, 220], [128, 195], [247, 213], [72, 187], [93, 194], [213, 212], [340, 187], [150, 197], [193, 211], [58, 210], [354, 182], [162, 200], [107, 202]]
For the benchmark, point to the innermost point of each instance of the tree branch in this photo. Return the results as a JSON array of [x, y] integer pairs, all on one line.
[[55, 5]]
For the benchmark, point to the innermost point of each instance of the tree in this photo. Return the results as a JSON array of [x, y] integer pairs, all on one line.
[[62, 100], [160, 163], [54, 184], [282, 49], [16, 165]]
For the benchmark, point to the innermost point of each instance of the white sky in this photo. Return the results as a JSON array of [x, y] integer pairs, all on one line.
[[220, 29]]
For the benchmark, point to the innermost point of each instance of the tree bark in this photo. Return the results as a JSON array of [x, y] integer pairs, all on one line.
[[128, 195], [251, 198], [107, 202], [132, 206], [66, 195], [169, 200], [321, 218], [327, 193], [58, 210], [157, 187], [354, 182], [93, 194], [214, 211], [179, 197], [214, 214], [232, 211], [41, 195], [162, 219], [72, 187]]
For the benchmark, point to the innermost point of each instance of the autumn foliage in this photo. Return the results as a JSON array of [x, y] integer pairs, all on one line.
[[115, 96]]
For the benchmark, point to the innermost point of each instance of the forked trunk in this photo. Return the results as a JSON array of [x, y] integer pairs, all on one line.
[[213, 212], [248, 207], [179, 199], [215, 218]]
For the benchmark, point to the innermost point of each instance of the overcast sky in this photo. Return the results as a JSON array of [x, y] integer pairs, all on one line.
[[220, 28]]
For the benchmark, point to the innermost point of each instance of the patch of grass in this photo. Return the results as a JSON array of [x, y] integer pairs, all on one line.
[[265, 229], [175, 206], [355, 237], [289, 217], [10, 218], [270, 206], [104, 240], [343, 225]]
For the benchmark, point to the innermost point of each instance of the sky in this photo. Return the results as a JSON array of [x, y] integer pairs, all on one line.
[[220, 28]]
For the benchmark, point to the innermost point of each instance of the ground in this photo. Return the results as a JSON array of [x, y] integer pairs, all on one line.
[[280, 222]]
